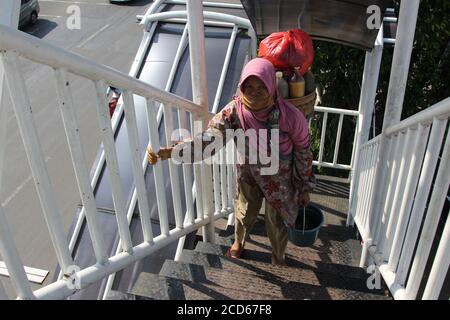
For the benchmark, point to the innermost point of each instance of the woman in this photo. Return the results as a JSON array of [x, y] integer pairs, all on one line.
[[259, 106]]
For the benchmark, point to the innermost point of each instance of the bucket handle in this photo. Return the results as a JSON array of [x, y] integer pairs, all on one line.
[[304, 218]]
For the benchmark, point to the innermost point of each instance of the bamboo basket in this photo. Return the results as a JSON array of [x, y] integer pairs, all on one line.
[[305, 103]]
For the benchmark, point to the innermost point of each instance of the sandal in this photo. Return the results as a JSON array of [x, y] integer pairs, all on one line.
[[278, 262], [234, 254]]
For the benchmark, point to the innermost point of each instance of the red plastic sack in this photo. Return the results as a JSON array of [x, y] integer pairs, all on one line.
[[288, 49]]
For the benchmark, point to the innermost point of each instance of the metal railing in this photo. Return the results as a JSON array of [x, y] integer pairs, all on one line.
[[414, 192], [14, 44], [341, 112]]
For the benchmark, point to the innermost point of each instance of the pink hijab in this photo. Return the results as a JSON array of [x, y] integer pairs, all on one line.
[[291, 121]]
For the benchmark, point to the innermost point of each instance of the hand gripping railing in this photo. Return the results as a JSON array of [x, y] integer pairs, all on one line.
[[401, 243], [14, 44]]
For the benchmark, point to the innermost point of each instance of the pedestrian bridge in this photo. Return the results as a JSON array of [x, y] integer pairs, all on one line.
[[395, 198]]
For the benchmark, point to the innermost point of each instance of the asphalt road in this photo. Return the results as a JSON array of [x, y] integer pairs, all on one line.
[[109, 35]]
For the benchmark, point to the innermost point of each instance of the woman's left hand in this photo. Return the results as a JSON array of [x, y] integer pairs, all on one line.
[[303, 199]]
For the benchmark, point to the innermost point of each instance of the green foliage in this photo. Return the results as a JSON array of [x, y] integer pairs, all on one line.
[[339, 70]]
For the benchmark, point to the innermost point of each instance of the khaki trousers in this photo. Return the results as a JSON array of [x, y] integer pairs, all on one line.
[[247, 207]]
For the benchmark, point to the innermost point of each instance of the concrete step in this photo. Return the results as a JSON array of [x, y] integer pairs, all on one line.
[[118, 295], [301, 284], [335, 244], [150, 286], [333, 252], [263, 261]]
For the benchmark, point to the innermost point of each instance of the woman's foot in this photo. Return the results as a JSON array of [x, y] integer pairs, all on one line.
[[278, 262], [235, 251]]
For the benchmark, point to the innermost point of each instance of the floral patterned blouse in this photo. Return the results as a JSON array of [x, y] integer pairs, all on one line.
[[281, 190]]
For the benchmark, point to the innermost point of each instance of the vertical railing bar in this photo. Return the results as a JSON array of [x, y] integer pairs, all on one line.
[[187, 173], [22, 108], [419, 143], [377, 207], [423, 189], [387, 213], [197, 129], [440, 265], [393, 217], [223, 74], [112, 165], [354, 172], [207, 187], [392, 183], [354, 188], [389, 164], [356, 201], [359, 192], [322, 136], [157, 168], [223, 177], [372, 174], [431, 221], [138, 172], [362, 190], [231, 161], [216, 177], [368, 184], [354, 145], [173, 169], [12, 260], [366, 181], [71, 128], [338, 139]]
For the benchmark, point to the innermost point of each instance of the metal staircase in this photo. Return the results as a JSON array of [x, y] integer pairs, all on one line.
[[396, 195], [327, 271]]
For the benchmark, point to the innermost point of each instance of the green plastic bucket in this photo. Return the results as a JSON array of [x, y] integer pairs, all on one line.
[[309, 220]]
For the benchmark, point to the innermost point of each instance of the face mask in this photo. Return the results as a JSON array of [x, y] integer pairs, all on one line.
[[257, 103]]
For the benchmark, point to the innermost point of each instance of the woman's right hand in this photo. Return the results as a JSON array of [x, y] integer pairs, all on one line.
[[163, 154]]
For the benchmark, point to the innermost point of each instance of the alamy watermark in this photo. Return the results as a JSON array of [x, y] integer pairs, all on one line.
[[374, 20], [73, 22], [72, 278], [374, 280]]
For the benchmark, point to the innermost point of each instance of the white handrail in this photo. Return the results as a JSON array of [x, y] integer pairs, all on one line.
[[71, 127], [341, 113], [90, 275], [215, 16], [397, 244], [28, 131], [440, 266], [39, 51], [440, 110], [209, 4]]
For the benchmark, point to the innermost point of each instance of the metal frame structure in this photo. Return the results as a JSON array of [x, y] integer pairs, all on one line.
[[65, 63], [393, 182], [394, 166]]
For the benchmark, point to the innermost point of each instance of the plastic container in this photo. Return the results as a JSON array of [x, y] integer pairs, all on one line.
[[307, 226], [296, 85], [310, 82], [283, 87]]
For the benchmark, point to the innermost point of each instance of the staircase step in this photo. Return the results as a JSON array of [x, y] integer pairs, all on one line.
[[263, 262], [150, 286], [333, 244], [118, 295], [280, 286], [334, 252]]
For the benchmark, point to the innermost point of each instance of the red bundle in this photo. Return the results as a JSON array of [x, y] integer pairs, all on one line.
[[289, 49]]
